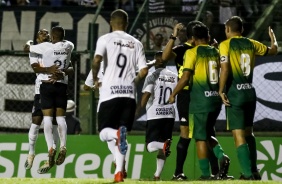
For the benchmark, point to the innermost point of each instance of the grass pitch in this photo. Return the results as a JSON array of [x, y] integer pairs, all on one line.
[[127, 181]]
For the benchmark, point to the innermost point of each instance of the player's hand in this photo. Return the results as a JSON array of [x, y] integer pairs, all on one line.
[[96, 85], [271, 34], [171, 99], [177, 28], [224, 99], [215, 43], [151, 63], [53, 69]]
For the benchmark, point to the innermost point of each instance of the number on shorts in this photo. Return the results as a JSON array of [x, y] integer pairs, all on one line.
[[164, 94], [121, 63], [213, 72], [245, 64]]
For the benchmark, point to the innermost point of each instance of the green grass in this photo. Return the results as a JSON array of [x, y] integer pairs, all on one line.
[[105, 181]]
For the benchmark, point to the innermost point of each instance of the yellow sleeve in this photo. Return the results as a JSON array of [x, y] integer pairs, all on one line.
[[224, 48], [189, 59], [260, 48]]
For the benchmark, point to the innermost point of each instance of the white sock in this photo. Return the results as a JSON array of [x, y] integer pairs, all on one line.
[[32, 137], [48, 131], [108, 134], [62, 127], [55, 136], [119, 160], [111, 146], [160, 166], [155, 146]]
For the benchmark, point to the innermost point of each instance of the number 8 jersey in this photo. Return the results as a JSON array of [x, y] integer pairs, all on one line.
[[123, 56], [240, 53]]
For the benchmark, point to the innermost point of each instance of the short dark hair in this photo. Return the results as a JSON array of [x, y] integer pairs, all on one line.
[[189, 28], [58, 32], [201, 31], [120, 14], [235, 23]]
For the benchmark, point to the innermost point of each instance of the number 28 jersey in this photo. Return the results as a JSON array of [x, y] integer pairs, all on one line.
[[240, 53], [54, 54], [160, 84], [123, 56]]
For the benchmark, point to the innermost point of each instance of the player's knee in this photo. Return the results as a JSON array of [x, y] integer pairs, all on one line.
[[103, 135]]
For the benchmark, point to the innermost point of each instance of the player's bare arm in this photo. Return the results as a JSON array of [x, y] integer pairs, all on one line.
[[47, 70], [95, 69], [141, 75], [223, 78], [184, 80], [167, 52], [273, 49]]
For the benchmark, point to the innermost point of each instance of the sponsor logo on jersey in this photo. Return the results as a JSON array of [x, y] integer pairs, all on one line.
[[211, 93], [60, 52], [244, 86], [170, 79], [164, 111], [122, 89], [129, 44]]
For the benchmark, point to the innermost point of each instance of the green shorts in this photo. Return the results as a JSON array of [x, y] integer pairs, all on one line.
[[201, 125], [240, 117]]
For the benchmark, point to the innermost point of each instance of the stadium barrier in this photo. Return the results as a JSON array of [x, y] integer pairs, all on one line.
[[88, 157]]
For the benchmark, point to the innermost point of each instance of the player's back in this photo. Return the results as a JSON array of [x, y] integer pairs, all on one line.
[[123, 56]]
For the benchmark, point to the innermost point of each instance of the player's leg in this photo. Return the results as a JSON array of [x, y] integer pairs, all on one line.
[[61, 105], [47, 104], [198, 123], [250, 138], [37, 118], [183, 100], [235, 119]]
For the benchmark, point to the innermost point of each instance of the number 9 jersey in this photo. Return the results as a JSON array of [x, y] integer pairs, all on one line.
[[123, 56]]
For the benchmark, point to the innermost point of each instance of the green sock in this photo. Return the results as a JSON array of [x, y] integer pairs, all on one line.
[[251, 141], [218, 151], [243, 155], [205, 167]]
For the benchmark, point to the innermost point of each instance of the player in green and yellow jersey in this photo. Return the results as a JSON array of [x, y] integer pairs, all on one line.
[[201, 65], [237, 92]]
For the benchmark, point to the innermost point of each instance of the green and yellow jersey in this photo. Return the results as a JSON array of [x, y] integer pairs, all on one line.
[[240, 53], [203, 62]]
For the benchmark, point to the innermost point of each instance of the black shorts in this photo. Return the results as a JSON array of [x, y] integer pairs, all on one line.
[[183, 100], [36, 109], [117, 112], [53, 95], [159, 129]]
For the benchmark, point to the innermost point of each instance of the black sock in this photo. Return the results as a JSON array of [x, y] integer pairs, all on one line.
[[213, 162], [181, 153], [251, 141]]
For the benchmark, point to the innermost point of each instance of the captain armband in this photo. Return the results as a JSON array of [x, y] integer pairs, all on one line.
[[223, 59]]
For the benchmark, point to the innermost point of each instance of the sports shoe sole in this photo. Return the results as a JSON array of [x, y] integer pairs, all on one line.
[[44, 168], [29, 161], [166, 148], [62, 156], [121, 141]]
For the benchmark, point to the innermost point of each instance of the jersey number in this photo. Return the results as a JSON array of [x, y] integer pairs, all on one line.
[[164, 94], [245, 64], [60, 63], [213, 72], [121, 63]]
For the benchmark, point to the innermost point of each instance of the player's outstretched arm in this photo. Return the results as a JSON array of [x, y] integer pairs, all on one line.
[[273, 49]]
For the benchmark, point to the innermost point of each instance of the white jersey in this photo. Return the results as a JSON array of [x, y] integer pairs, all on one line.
[[89, 80], [160, 84], [123, 55], [36, 58], [54, 54]]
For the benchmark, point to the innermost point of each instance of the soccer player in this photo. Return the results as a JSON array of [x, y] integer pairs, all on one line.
[[160, 115], [201, 65], [53, 93], [183, 98], [37, 116], [123, 55], [237, 92]]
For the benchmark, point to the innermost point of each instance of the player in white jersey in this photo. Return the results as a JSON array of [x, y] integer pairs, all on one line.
[[123, 55], [160, 115], [53, 93], [37, 115]]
